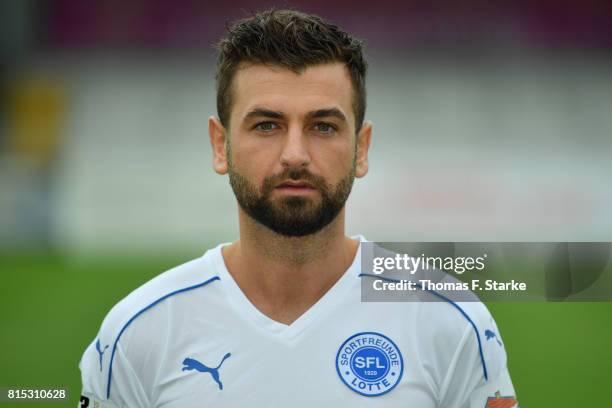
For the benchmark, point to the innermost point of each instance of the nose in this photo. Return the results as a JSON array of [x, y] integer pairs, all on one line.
[[295, 152]]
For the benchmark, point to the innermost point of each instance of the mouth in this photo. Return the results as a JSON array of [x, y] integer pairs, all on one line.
[[296, 187]]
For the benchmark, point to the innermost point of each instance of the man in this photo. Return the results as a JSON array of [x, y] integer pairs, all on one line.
[[275, 318]]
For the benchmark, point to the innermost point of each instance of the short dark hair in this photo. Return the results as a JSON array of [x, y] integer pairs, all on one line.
[[293, 40]]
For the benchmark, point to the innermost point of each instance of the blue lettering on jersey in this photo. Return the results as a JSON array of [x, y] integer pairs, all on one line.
[[193, 364], [370, 364], [100, 351], [490, 334]]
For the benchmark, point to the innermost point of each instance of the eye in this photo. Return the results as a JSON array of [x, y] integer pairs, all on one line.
[[323, 127], [266, 126]]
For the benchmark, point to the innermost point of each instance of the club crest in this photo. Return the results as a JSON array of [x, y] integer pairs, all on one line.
[[370, 364]]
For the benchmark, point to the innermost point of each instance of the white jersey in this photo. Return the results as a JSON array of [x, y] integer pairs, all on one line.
[[191, 338]]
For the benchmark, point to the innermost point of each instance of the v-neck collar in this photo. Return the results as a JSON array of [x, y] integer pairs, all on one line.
[[277, 329]]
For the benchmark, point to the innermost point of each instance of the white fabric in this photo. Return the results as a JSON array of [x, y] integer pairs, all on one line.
[[196, 311]]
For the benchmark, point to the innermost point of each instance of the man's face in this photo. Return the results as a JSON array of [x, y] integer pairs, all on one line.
[[291, 150]]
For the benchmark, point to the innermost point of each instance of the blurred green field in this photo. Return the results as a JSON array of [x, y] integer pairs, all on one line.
[[51, 308]]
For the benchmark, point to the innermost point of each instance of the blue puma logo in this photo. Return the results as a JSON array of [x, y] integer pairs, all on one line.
[[100, 352], [491, 335], [192, 364]]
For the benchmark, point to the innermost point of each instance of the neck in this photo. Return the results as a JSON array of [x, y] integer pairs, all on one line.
[[283, 276]]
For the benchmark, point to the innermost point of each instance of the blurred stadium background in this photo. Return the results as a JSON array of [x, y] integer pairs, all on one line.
[[492, 123]]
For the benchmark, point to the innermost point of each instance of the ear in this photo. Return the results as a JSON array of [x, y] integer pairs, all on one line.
[[217, 135], [364, 137]]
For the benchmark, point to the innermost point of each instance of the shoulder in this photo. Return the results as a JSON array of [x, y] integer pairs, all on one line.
[[467, 328], [196, 274], [473, 362], [141, 305]]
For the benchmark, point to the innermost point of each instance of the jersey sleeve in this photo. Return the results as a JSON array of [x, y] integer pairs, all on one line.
[[97, 375], [478, 376], [116, 368]]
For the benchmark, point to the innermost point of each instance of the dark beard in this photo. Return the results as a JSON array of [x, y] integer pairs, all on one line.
[[291, 216]]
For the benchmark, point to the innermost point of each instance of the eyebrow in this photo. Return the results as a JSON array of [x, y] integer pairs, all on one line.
[[319, 113], [324, 113], [266, 113]]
